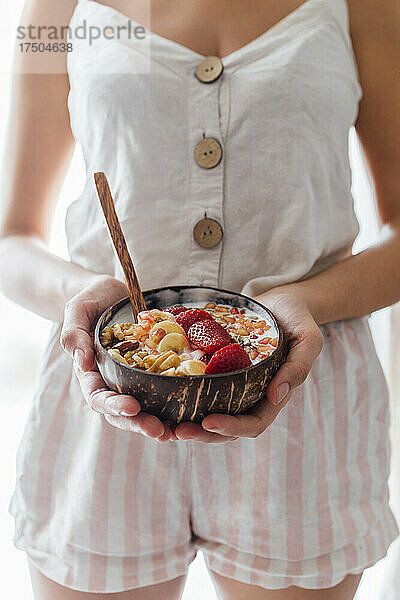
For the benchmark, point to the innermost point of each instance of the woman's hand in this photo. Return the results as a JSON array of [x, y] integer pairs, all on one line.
[[80, 316], [305, 341]]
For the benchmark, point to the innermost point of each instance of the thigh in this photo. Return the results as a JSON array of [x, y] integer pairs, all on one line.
[[47, 589], [229, 589]]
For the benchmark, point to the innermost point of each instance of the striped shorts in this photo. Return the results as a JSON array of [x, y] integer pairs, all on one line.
[[306, 503]]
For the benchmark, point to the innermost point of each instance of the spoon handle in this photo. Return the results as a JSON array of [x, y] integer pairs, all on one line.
[[118, 239]]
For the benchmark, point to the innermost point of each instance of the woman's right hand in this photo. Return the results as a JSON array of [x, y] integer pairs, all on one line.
[[80, 316]]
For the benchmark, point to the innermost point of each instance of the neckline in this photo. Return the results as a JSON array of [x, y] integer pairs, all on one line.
[[189, 51]]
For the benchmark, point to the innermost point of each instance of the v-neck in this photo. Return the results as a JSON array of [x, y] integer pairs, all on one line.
[[228, 57]]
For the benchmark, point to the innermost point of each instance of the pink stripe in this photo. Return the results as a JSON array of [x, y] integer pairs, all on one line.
[[260, 537], [70, 576], [324, 517], [132, 510], [233, 457], [340, 390], [294, 483], [183, 510], [204, 467], [162, 475], [185, 493], [325, 571], [228, 560], [133, 577], [382, 455], [260, 565], [99, 511], [363, 401]]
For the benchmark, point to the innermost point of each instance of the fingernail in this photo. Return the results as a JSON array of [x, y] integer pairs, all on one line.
[[214, 429], [79, 357], [281, 392], [137, 429], [125, 414]]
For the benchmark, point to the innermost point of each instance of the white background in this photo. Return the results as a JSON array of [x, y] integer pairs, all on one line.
[[24, 335]]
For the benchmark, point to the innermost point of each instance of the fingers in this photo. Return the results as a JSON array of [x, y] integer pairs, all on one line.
[[75, 334], [103, 400], [169, 433], [228, 425], [120, 410], [298, 364], [143, 423], [195, 432], [250, 425]]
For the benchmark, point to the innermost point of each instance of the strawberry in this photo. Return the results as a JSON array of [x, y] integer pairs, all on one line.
[[176, 310], [208, 335], [227, 359], [187, 318]]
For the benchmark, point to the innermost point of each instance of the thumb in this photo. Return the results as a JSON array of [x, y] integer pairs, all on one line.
[[298, 364], [75, 336]]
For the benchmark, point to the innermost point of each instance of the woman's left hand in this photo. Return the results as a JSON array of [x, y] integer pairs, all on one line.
[[305, 344]]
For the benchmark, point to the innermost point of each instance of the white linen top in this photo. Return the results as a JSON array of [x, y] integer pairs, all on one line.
[[281, 110]]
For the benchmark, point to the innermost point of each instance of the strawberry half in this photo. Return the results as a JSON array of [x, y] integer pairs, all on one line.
[[176, 310], [227, 359], [209, 336], [187, 318]]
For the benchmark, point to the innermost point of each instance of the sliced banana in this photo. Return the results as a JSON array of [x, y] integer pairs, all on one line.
[[168, 327], [191, 367], [115, 354], [173, 341], [170, 362], [170, 372], [153, 365]]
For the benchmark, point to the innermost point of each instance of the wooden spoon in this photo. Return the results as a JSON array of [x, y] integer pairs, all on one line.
[[118, 239]]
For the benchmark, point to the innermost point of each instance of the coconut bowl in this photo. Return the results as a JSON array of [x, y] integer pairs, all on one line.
[[192, 397]]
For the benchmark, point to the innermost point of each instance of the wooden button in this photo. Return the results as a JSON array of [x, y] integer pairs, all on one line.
[[208, 233], [208, 153], [210, 69]]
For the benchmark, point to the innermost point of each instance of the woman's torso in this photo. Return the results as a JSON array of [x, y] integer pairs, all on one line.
[[281, 112]]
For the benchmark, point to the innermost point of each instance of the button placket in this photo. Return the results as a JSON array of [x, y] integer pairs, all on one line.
[[206, 182]]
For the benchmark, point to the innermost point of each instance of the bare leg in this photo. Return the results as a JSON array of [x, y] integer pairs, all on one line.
[[46, 589], [229, 589]]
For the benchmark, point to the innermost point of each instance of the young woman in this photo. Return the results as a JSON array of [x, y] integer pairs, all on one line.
[[289, 501]]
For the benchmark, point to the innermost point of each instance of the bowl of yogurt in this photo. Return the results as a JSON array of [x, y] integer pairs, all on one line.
[[194, 351]]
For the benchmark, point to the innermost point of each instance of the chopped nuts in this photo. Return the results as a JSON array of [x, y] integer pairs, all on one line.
[[115, 354], [126, 345], [138, 360], [118, 333], [106, 336]]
